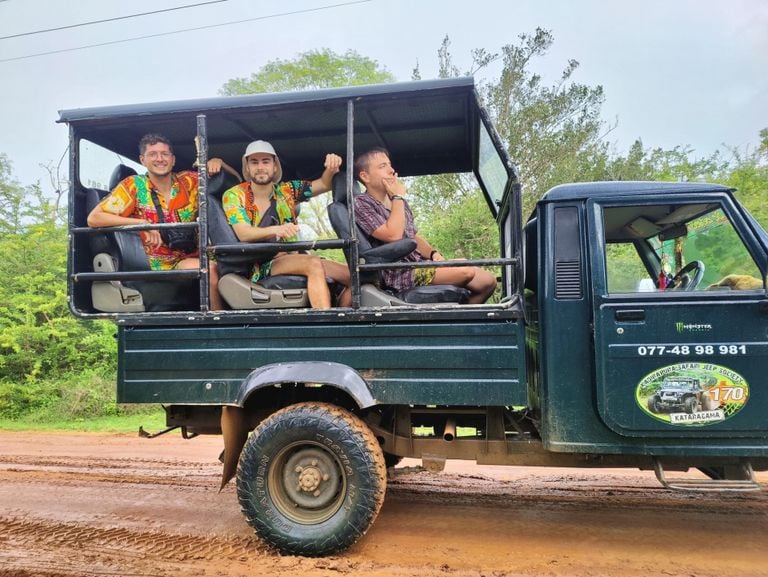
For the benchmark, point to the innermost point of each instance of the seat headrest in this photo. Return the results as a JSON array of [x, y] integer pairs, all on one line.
[[120, 173], [219, 183], [339, 186]]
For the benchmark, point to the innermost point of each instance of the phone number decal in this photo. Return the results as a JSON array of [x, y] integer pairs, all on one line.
[[680, 350]]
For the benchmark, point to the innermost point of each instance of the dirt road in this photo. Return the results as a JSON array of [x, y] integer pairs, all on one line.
[[116, 505]]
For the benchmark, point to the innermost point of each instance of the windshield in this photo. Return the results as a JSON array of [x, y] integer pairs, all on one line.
[[491, 169], [653, 243], [711, 239], [679, 385]]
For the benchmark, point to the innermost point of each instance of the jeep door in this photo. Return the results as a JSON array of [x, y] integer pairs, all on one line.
[[653, 325]]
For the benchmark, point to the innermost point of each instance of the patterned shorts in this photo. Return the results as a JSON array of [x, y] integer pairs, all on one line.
[[424, 276]]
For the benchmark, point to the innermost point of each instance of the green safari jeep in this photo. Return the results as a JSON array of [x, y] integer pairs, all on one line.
[[565, 367]]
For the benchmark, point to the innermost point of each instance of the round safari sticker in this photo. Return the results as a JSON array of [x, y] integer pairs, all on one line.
[[692, 394]]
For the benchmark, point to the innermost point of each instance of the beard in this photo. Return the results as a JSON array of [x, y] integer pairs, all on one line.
[[262, 178]]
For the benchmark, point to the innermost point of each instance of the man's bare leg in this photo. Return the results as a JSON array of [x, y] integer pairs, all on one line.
[[479, 282], [213, 280], [339, 273], [311, 267]]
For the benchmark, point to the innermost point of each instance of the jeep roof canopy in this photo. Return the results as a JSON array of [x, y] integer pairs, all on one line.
[[430, 127]]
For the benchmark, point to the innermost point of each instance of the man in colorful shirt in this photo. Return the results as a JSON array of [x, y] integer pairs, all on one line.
[[263, 208], [384, 215], [131, 203]]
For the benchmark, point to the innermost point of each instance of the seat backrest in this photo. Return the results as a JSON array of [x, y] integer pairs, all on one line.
[[219, 230], [338, 212], [124, 247], [120, 173]]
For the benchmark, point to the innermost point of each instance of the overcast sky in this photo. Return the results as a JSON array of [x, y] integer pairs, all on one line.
[[675, 72]]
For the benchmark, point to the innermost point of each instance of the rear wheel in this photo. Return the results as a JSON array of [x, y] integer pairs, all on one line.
[[312, 479]]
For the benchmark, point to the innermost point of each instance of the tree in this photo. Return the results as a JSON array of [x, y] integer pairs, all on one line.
[[11, 200], [310, 70], [39, 338], [554, 133], [748, 173]]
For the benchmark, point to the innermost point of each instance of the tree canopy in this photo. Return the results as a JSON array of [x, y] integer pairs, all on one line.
[[310, 70]]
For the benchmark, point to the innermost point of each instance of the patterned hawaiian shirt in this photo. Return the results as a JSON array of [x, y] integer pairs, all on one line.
[[239, 206], [132, 198]]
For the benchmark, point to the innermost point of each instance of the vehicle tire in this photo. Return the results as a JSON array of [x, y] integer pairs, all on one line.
[[311, 479], [690, 404], [653, 404]]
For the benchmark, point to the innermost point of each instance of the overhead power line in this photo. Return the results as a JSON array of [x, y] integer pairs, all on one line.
[[267, 17], [111, 19]]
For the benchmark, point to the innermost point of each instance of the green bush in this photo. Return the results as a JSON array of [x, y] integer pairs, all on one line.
[[74, 396]]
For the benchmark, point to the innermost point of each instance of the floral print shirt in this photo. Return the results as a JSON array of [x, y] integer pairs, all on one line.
[[132, 197]]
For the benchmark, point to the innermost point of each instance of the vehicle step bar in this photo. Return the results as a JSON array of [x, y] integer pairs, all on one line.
[[747, 483]]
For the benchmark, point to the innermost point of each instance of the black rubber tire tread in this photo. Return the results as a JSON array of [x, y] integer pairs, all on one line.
[[366, 475]]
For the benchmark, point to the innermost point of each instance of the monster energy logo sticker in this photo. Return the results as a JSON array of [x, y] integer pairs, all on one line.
[[693, 327]]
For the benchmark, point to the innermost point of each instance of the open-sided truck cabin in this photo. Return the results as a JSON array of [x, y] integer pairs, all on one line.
[[428, 127], [601, 347]]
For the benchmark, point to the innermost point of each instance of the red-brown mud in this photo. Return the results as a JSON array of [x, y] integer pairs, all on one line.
[[117, 505]]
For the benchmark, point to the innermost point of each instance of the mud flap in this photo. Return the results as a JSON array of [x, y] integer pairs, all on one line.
[[234, 430]]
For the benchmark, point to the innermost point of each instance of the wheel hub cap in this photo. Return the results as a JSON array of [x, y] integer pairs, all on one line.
[[311, 479]]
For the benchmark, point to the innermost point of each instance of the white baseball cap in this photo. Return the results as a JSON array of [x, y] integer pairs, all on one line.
[[266, 148]]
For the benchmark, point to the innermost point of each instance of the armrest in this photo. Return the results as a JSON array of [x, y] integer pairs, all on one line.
[[390, 252]]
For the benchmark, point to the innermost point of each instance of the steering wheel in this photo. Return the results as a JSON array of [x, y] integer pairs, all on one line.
[[693, 272]]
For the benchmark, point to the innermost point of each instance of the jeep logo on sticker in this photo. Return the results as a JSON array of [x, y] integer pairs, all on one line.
[[692, 394]]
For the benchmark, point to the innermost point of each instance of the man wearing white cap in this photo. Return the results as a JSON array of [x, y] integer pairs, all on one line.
[[264, 208]]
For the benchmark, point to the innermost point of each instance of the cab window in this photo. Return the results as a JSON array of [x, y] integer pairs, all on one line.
[[692, 247]]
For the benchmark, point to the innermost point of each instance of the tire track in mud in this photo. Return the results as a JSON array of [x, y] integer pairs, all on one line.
[[27, 533], [31, 548], [571, 491], [187, 480], [104, 463], [33, 469]]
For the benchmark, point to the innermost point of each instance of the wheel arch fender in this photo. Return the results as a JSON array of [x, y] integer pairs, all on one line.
[[330, 374]]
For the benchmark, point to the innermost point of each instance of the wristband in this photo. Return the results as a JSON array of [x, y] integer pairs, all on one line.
[[396, 197]]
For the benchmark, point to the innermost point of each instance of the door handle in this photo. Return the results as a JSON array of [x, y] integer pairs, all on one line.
[[630, 315]]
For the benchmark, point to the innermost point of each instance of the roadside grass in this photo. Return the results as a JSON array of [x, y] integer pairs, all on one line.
[[153, 420], [82, 401]]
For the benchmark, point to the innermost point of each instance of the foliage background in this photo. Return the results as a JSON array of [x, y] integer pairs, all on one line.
[[53, 366]]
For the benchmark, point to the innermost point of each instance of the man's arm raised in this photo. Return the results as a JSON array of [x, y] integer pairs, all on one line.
[[323, 184]]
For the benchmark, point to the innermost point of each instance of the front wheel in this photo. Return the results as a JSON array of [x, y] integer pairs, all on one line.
[[312, 479]]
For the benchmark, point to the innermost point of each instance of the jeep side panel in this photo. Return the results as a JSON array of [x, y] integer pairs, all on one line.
[[418, 363]]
